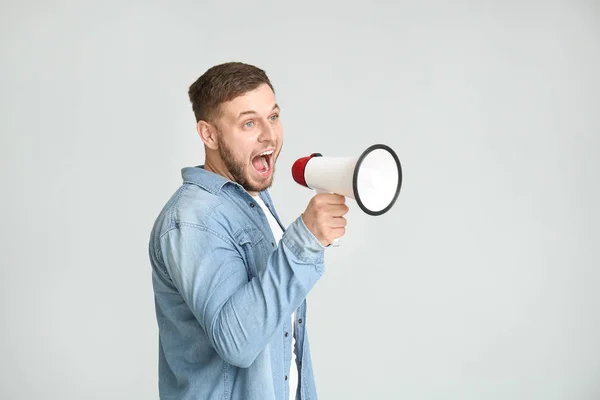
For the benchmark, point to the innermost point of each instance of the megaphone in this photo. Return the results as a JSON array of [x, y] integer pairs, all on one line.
[[373, 179]]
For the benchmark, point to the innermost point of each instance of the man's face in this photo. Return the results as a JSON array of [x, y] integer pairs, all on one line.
[[250, 138]]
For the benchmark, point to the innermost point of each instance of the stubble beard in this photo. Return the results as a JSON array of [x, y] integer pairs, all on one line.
[[238, 169]]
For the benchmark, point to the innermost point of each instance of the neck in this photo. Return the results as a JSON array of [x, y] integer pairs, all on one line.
[[216, 165]]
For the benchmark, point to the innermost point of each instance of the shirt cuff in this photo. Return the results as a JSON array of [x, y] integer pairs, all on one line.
[[303, 243]]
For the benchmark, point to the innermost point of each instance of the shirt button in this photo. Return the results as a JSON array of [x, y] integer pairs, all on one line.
[[286, 377], [272, 244], [286, 334], [300, 321], [252, 205]]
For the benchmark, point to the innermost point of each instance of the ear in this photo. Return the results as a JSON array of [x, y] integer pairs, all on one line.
[[208, 134]]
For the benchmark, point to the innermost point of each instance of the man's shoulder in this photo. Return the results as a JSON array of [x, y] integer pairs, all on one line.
[[194, 206]]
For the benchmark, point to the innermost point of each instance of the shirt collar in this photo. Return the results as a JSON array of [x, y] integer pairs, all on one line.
[[207, 180], [213, 182]]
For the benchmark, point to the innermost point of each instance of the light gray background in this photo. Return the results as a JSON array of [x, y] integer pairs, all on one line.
[[482, 282]]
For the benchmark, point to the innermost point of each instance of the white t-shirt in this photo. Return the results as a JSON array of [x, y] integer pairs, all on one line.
[[277, 233]]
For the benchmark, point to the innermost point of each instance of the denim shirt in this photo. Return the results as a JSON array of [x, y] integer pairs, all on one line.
[[225, 292]]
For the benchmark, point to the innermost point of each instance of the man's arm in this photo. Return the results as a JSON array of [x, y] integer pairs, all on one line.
[[240, 316]]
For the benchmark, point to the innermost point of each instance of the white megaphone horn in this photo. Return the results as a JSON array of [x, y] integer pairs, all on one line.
[[373, 179]]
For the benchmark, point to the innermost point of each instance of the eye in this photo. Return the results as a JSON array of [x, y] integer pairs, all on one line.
[[249, 124], [274, 117]]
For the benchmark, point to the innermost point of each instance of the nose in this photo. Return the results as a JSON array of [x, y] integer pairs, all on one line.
[[268, 133]]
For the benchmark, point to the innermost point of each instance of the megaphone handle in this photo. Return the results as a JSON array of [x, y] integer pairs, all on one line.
[[336, 242]]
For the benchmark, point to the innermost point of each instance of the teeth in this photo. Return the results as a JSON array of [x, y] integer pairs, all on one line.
[[266, 153]]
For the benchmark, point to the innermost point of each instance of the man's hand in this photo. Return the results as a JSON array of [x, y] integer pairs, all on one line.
[[324, 217]]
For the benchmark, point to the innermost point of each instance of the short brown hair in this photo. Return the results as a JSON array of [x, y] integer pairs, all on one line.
[[222, 83]]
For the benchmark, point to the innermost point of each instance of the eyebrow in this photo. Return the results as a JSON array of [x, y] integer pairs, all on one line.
[[275, 107]]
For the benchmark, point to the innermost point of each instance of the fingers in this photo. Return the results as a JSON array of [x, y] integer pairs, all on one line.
[[333, 204], [324, 216], [336, 233], [338, 222], [337, 210]]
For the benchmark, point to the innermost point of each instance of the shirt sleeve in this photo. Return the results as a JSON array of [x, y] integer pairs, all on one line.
[[239, 315]]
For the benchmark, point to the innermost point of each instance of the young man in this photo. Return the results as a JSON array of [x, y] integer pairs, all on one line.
[[229, 280]]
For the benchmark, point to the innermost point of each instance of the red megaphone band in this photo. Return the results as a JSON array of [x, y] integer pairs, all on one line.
[[299, 166]]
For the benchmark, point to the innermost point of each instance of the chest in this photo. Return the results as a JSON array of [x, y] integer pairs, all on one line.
[[257, 235]]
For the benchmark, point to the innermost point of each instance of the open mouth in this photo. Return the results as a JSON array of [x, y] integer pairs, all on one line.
[[263, 162]]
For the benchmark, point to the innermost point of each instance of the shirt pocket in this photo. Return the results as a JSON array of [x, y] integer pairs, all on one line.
[[251, 241]]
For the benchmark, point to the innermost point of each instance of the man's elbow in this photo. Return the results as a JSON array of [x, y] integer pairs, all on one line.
[[233, 345], [236, 352], [238, 358]]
